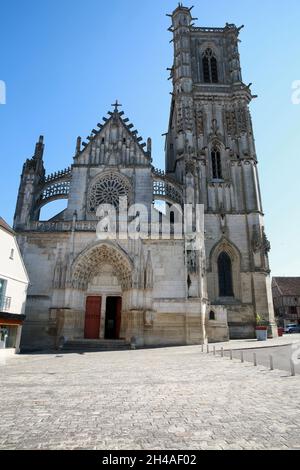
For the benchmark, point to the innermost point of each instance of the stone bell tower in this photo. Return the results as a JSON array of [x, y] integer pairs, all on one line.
[[210, 150]]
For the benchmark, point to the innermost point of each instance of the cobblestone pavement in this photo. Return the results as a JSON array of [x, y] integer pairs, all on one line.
[[174, 398]]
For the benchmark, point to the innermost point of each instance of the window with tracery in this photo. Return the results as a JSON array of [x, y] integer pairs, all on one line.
[[216, 164], [210, 67], [108, 189], [225, 275]]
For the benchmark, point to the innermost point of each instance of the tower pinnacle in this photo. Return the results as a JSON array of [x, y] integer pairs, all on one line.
[[39, 148]]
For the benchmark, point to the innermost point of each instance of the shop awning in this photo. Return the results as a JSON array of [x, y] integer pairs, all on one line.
[[11, 319]]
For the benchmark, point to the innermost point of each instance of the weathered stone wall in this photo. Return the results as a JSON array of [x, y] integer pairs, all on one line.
[[167, 291]]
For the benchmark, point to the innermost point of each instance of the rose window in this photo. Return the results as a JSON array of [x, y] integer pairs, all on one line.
[[108, 190]]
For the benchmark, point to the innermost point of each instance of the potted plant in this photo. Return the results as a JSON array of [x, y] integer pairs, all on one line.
[[261, 329]]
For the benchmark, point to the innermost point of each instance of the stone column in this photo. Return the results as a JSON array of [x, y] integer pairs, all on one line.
[[103, 317], [135, 327]]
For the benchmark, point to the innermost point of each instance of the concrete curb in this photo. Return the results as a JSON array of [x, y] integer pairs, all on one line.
[[248, 345], [268, 346]]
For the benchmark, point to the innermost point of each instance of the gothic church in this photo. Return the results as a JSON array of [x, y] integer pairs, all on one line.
[[154, 291]]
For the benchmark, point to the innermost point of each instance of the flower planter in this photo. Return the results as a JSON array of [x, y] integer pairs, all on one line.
[[280, 332], [261, 333]]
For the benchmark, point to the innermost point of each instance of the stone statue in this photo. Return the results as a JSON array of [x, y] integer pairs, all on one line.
[[149, 272]]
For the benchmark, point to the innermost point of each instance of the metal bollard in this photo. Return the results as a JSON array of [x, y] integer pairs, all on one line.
[[222, 352], [214, 350], [255, 359], [271, 363], [207, 349], [202, 348], [242, 356], [293, 371], [231, 355]]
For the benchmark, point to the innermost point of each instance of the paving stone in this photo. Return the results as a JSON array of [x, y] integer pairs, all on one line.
[[174, 398]]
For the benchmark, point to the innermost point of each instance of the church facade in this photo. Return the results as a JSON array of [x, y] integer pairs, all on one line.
[[155, 290]]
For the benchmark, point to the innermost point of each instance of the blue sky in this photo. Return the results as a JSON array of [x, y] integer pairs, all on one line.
[[65, 61]]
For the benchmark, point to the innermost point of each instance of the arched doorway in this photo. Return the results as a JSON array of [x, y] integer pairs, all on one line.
[[102, 274]]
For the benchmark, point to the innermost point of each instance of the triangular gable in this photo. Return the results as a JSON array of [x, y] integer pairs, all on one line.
[[115, 142]]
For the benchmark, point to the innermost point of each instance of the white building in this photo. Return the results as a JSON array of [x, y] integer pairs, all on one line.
[[14, 283]]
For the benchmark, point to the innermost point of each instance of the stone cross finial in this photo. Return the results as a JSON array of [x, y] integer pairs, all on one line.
[[116, 106]]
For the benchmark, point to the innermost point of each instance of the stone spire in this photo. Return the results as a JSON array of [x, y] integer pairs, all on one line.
[[78, 146], [35, 165], [32, 175], [39, 148]]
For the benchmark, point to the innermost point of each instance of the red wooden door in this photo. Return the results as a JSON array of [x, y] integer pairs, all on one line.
[[118, 316], [92, 318]]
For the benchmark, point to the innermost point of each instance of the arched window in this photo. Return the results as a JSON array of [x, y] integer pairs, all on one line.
[[225, 275], [108, 189], [210, 67], [216, 164], [212, 316]]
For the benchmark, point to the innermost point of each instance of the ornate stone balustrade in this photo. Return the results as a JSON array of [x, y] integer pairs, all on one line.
[[82, 226], [62, 226], [207, 30], [165, 188], [54, 191], [66, 173], [49, 226]]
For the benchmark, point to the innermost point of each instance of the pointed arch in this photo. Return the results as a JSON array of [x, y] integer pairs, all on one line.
[[89, 263], [210, 66], [216, 163], [225, 268], [225, 275]]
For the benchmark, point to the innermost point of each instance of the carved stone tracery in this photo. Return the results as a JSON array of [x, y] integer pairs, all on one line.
[[242, 120], [199, 121], [89, 265], [236, 121], [107, 190], [231, 122], [165, 190]]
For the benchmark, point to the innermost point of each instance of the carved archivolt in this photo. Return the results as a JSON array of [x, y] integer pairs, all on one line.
[[108, 189], [225, 246], [90, 263]]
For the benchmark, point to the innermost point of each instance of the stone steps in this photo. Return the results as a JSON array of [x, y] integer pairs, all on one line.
[[96, 345]]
